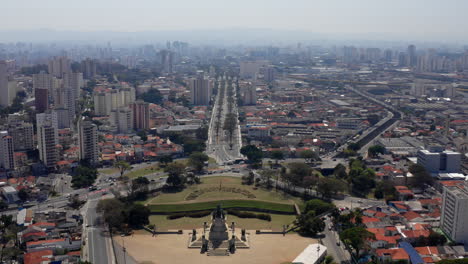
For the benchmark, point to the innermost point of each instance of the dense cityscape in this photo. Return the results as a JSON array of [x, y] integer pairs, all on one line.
[[173, 151]]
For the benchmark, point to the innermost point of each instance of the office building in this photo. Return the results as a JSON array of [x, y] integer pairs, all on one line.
[[88, 67], [388, 55], [47, 138], [41, 100], [454, 219], [6, 151], [250, 95], [249, 69], [122, 119], [4, 91], [269, 74], [59, 66], [74, 82], [88, 141], [44, 81], [63, 117], [167, 60], [200, 90], [411, 56], [22, 134], [140, 111], [438, 160], [12, 91]]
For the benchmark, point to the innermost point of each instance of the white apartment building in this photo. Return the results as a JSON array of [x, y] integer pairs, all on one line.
[[200, 90], [88, 141], [47, 138], [122, 119], [112, 99], [438, 160], [454, 219]]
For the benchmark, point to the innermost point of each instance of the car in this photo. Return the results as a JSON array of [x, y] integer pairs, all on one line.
[[329, 228]]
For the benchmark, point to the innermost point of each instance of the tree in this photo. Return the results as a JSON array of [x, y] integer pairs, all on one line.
[[374, 150], [330, 186], [309, 224], [277, 155], [266, 176], [318, 206], [385, 189], [142, 134], [84, 176], [356, 237], [193, 145], [354, 146], [175, 173], [340, 171], [297, 172], [152, 96], [23, 194], [197, 160], [112, 212], [139, 188], [254, 154], [308, 155], [363, 182], [138, 215], [421, 176], [165, 160], [248, 179], [122, 166]]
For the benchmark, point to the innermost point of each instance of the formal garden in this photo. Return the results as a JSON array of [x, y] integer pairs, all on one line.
[[250, 206]]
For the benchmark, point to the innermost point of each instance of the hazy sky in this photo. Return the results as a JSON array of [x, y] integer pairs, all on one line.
[[403, 17]]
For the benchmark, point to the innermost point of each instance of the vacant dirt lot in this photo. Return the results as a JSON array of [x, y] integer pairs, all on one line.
[[164, 249]]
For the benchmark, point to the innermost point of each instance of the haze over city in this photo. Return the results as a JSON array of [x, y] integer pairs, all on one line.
[[430, 20]]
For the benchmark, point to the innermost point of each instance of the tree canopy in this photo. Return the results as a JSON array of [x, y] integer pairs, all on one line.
[[152, 96], [197, 160], [252, 153]]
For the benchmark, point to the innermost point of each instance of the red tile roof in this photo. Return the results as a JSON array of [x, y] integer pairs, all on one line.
[[427, 251], [37, 257], [396, 253]]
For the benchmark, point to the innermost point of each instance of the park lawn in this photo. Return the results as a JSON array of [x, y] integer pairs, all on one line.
[[207, 182], [187, 207], [143, 172], [151, 169], [276, 224]]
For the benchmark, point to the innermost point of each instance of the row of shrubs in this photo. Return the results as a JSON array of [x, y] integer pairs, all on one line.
[[244, 214], [198, 214]]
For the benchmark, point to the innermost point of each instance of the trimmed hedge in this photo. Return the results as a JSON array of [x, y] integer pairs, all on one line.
[[243, 214], [245, 205], [198, 214]]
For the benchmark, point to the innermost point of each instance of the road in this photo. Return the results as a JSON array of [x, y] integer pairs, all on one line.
[[220, 145], [98, 243], [334, 245]]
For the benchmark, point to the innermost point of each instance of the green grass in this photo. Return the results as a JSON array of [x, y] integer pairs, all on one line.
[[244, 204], [143, 172], [207, 182], [276, 224]]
